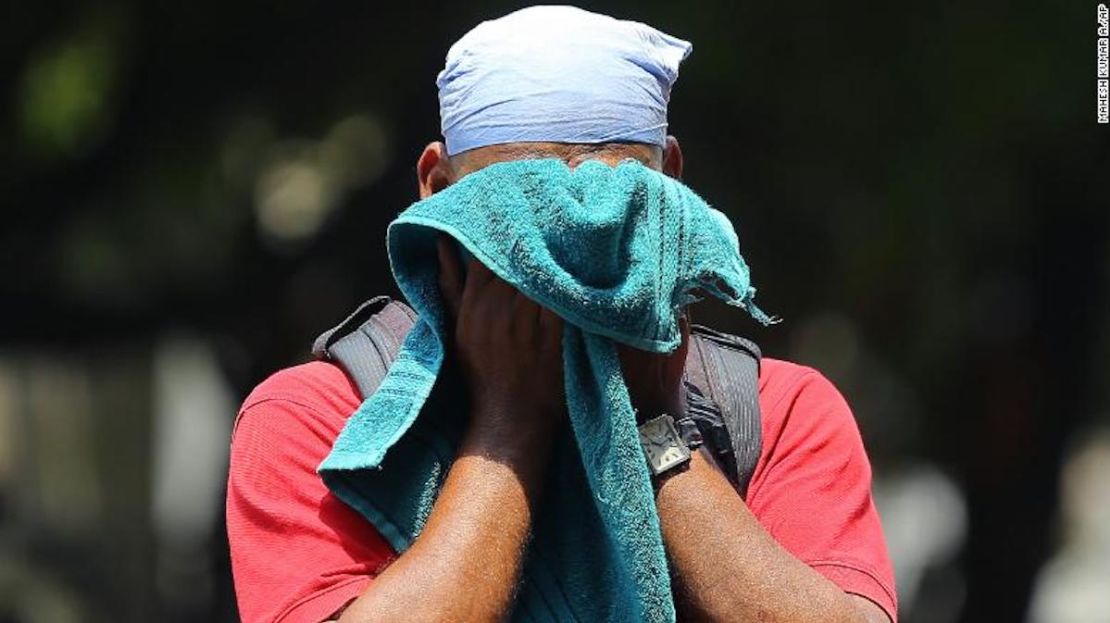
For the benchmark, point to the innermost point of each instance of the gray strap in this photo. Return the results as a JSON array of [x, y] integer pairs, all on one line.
[[367, 341], [726, 369]]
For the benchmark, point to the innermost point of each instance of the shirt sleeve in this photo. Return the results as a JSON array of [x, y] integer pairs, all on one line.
[[298, 553], [812, 489]]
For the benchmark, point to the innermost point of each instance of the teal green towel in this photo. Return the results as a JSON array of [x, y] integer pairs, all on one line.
[[616, 251]]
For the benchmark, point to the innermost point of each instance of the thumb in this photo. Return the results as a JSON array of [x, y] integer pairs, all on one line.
[[675, 365], [451, 280]]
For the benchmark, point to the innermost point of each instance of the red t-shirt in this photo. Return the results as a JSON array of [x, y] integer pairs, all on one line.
[[299, 554]]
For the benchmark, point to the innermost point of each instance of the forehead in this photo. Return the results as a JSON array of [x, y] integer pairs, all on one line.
[[573, 154]]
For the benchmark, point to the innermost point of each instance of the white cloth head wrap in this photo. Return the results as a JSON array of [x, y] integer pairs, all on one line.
[[558, 74]]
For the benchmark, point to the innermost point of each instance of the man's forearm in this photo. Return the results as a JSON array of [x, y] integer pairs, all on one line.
[[728, 568], [465, 564]]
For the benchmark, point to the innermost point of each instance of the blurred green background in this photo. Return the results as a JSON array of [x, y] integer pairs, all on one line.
[[193, 191]]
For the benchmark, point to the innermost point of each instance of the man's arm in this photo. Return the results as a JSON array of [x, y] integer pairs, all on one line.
[[728, 568], [466, 562]]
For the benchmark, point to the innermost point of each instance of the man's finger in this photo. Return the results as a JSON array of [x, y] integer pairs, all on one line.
[[684, 332], [477, 278], [676, 361], [551, 326], [525, 310], [451, 280]]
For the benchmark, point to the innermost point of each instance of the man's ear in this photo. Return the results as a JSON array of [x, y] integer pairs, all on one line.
[[672, 158], [433, 170]]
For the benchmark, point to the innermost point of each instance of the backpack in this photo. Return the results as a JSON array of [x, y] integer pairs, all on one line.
[[722, 376]]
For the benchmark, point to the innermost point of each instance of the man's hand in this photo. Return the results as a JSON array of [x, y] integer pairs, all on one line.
[[655, 380], [466, 563], [508, 348]]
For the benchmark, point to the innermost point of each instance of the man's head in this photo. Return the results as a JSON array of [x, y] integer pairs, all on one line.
[[554, 82], [435, 170]]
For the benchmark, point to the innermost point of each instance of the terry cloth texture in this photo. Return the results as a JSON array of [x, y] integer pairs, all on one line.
[[616, 252]]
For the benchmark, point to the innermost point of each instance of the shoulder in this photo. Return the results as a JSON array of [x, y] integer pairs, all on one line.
[[781, 380], [317, 386], [811, 488], [297, 410], [283, 431], [791, 391], [316, 383], [806, 422], [297, 552]]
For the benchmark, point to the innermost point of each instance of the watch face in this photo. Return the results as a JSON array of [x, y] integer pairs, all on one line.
[[662, 445]]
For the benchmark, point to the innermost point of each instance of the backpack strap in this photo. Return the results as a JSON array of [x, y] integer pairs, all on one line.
[[367, 341], [725, 368]]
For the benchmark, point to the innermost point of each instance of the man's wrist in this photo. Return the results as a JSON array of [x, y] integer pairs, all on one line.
[[512, 418], [676, 407], [700, 465], [496, 439], [511, 436]]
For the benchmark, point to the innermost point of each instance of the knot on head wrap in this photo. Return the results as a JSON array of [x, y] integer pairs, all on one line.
[[558, 74]]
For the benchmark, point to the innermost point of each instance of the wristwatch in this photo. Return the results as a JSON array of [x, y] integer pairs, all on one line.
[[668, 444]]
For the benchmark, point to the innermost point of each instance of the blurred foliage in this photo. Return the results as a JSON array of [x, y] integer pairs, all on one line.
[[920, 189], [67, 88]]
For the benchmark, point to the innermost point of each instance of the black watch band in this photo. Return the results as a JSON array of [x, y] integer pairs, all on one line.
[[689, 432]]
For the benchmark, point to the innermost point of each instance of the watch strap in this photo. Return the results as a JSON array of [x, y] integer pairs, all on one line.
[[689, 432]]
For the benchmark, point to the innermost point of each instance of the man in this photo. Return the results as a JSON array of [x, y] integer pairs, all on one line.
[[804, 545]]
